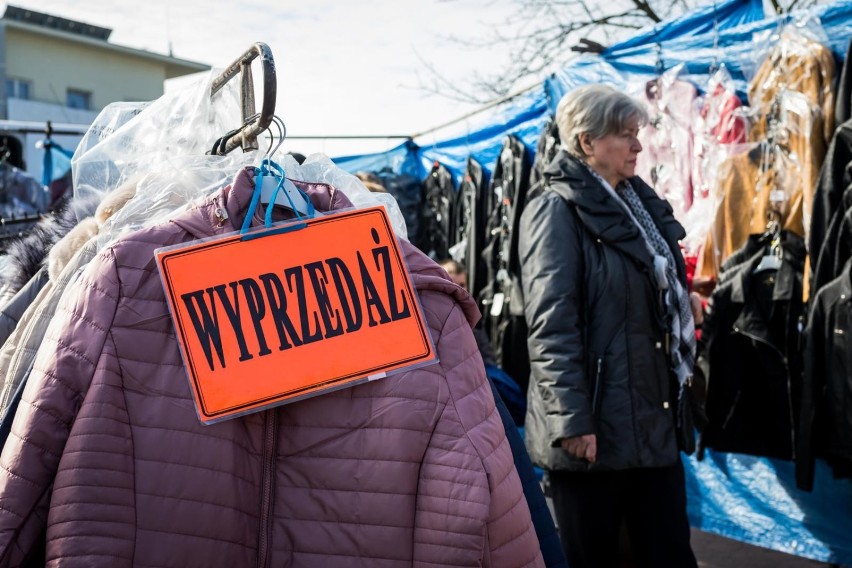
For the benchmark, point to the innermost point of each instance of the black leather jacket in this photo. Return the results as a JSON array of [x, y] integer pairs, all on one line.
[[826, 416], [751, 339], [596, 328]]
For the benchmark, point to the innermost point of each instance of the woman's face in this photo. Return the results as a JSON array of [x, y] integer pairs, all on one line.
[[614, 155]]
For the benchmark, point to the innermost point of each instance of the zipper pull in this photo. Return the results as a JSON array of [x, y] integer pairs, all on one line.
[[221, 216]]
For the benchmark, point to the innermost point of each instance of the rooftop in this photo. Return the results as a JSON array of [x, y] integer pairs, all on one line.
[[94, 36], [55, 22]]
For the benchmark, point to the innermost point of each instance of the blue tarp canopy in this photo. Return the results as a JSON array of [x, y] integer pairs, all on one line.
[[750, 499]]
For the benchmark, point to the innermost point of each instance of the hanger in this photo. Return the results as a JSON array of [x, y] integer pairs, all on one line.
[[276, 188], [772, 257], [253, 123]]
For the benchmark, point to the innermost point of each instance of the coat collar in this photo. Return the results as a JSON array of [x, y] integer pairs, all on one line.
[[206, 219], [606, 219], [786, 276]]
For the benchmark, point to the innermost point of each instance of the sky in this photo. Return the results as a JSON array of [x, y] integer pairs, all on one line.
[[343, 67]]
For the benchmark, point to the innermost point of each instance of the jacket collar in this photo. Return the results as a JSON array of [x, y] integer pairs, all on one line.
[[224, 211], [786, 277], [606, 219]]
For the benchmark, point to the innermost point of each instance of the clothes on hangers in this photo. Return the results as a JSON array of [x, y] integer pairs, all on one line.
[[470, 205], [668, 140], [447, 490], [501, 299], [751, 340], [792, 102], [843, 97], [64, 262], [830, 197], [436, 228], [825, 430]]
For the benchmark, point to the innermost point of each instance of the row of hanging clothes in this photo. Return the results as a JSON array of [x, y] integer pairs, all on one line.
[[475, 224], [825, 430], [743, 176], [747, 178], [105, 460]]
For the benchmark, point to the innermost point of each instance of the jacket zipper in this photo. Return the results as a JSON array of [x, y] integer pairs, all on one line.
[[596, 394], [269, 438], [789, 385]]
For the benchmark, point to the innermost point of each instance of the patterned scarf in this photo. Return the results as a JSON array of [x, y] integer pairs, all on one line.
[[679, 311]]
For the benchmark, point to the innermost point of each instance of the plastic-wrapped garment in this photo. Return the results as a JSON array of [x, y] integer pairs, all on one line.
[[796, 62], [719, 129], [752, 340], [776, 176], [719, 122], [667, 140], [161, 148]]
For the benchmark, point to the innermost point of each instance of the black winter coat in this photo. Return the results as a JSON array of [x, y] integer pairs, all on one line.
[[596, 327]]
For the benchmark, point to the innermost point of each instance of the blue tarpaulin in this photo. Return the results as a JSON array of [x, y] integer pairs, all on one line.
[[746, 498], [56, 162]]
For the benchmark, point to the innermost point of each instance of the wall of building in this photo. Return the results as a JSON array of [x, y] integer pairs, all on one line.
[[54, 65]]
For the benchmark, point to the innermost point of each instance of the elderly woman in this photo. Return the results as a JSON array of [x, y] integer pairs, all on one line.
[[611, 340]]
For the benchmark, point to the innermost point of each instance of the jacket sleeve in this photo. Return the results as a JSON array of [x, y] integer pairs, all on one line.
[[813, 381], [552, 275], [470, 507], [62, 372]]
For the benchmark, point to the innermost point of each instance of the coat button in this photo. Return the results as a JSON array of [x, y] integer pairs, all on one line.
[[658, 345], [666, 404]]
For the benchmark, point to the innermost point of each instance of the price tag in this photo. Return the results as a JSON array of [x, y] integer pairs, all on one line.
[[497, 304]]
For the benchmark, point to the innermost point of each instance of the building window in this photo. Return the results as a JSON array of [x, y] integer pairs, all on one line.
[[17, 89], [79, 99]]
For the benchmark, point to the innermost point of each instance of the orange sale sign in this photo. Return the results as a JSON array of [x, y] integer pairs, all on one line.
[[267, 320]]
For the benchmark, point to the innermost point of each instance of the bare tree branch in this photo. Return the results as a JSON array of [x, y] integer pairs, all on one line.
[[541, 34]]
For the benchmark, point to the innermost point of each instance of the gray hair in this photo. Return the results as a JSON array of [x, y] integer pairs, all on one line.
[[598, 110]]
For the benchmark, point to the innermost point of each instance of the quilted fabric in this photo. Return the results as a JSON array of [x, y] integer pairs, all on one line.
[[412, 470]]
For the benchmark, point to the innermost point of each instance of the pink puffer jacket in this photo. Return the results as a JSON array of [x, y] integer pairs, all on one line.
[[107, 451]]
